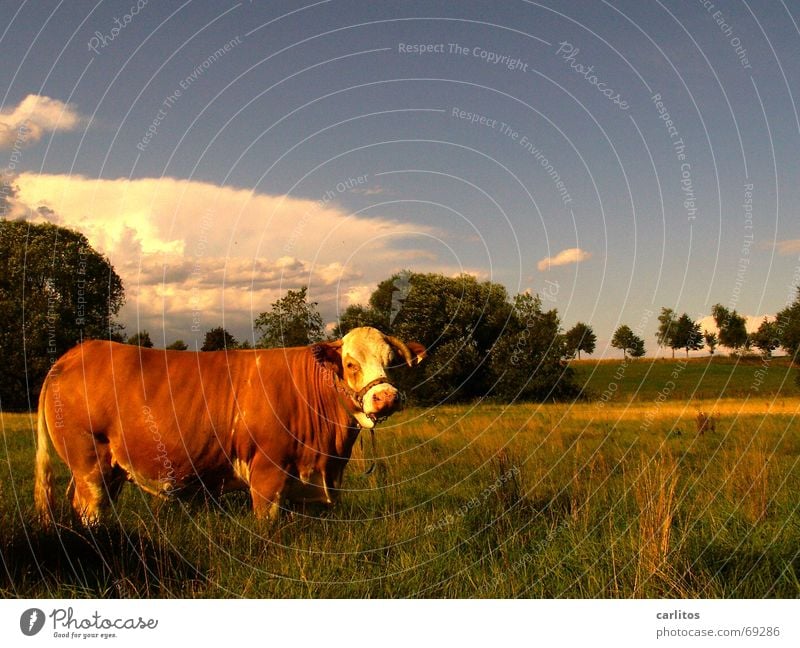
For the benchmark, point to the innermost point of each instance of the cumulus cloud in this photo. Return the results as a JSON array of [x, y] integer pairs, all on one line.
[[195, 253], [565, 257], [27, 122]]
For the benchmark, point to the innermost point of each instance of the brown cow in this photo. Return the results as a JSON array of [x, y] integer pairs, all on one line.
[[280, 423]]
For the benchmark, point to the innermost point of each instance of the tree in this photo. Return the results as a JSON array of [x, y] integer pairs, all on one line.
[[458, 319], [711, 341], [177, 345], [579, 338], [732, 329], [686, 334], [55, 291], [142, 339], [527, 362], [788, 326], [666, 328], [637, 349], [357, 315], [766, 338], [218, 339], [628, 342], [291, 321], [479, 342]]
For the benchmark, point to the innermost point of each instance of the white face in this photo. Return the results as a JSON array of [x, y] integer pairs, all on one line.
[[365, 356]]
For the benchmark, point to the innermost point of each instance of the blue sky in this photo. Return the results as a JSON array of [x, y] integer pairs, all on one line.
[[222, 153]]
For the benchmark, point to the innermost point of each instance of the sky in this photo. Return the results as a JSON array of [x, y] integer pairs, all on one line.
[[613, 157]]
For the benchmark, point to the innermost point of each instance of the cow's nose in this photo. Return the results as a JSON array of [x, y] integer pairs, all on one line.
[[386, 400]]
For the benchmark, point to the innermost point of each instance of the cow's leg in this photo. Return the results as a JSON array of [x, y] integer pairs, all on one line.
[[267, 488], [95, 481], [88, 497]]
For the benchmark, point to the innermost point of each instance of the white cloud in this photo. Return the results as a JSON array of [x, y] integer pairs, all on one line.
[[27, 122], [565, 257], [375, 190], [187, 249]]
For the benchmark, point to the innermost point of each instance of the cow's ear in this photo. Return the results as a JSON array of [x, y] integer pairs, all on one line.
[[330, 354], [418, 351], [413, 353]]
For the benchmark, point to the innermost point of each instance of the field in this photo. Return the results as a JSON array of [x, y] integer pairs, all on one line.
[[631, 494]]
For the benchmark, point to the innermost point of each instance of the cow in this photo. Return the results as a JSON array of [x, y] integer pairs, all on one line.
[[280, 423]]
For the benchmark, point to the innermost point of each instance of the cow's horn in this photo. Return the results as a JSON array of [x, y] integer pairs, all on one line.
[[402, 349]]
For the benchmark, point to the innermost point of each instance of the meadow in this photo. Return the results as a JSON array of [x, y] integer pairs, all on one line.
[[682, 481]]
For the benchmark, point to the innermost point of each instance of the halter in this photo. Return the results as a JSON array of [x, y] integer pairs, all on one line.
[[358, 396]]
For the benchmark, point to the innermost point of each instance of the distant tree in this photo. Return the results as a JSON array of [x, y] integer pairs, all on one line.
[[711, 341], [686, 334], [55, 291], [245, 344], [732, 328], [766, 338], [579, 338], [666, 329], [218, 339], [628, 342], [291, 321], [178, 345], [142, 339]]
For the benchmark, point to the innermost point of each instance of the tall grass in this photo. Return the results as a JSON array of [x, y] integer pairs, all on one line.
[[569, 500], [654, 491]]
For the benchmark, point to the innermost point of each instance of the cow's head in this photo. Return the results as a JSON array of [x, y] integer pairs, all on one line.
[[362, 357]]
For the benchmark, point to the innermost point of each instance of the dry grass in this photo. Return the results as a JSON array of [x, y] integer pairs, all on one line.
[[654, 492]]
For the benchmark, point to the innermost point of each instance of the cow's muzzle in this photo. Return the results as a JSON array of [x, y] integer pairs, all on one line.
[[386, 402], [378, 399]]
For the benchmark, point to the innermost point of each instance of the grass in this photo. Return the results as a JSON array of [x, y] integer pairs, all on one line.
[[623, 498], [697, 377]]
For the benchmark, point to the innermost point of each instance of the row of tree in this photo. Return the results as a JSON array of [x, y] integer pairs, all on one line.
[[292, 321], [682, 332]]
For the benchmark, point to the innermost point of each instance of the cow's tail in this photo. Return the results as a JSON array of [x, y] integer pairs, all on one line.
[[43, 485]]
